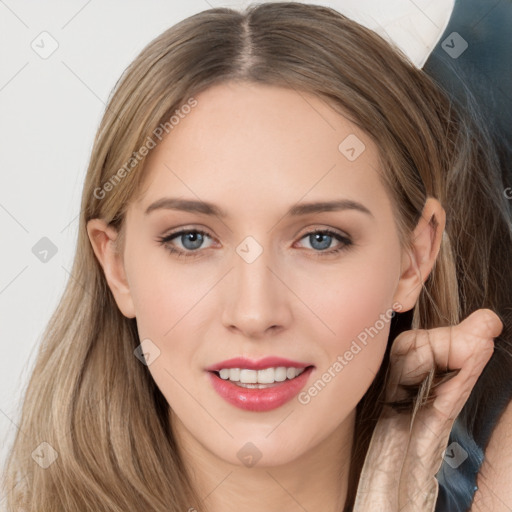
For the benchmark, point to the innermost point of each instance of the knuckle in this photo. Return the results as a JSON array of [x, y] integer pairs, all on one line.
[[405, 342]]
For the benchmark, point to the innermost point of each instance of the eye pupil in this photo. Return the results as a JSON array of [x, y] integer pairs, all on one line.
[[194, 237], [317, 237]]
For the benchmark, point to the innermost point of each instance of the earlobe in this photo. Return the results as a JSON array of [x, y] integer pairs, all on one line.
[[103, 240], [418, 261]]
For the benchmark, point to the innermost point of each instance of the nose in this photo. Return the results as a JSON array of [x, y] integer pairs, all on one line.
[[257, 302]]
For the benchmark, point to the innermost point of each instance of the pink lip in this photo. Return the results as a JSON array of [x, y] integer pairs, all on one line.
[[259, 400], [266, 362]]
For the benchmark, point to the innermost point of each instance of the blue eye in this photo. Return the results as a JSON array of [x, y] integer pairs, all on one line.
[[324, 239], [192, 239]]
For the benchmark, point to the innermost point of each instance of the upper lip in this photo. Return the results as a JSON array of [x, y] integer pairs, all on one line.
[[266, 362]]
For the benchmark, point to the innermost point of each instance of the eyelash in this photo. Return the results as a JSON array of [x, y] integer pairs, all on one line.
[[346, 243]]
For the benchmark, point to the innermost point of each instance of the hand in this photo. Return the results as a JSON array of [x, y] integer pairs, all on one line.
[[406, 450]]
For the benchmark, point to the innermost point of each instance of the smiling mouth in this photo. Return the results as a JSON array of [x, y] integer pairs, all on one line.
[[260, 396], [283, 377]]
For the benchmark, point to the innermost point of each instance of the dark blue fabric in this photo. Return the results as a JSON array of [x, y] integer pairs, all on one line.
[[457, 484], [484, 70]]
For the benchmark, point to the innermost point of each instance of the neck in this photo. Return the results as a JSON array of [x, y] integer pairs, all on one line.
[[314, 480]]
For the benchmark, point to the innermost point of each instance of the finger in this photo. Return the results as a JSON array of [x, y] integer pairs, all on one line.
[[411, 359], [471, 347], [401, 461], [480, 325], [432, 426], [415, 353]]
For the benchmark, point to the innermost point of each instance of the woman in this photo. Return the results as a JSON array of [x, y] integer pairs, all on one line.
[[266, 191]]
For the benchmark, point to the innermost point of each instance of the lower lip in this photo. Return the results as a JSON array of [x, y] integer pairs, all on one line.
[[259, 400]]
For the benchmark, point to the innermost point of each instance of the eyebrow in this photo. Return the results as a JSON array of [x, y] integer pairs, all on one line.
[[193, 206]]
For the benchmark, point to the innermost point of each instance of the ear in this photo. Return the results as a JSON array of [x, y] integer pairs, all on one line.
[[418, 261], [104, 240]]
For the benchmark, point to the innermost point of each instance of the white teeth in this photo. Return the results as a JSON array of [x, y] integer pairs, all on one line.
[[266, 376], [233, 374]]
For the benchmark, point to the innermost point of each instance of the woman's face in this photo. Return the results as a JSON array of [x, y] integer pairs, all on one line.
[[258, 283]]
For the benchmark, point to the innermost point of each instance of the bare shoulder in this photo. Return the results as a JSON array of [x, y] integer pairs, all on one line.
[[494, 480]]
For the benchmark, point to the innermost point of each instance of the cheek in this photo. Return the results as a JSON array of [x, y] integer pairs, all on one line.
[[164, 293], [172, 306], [355, 309], [168, 310], [352, 356], [350, 298]]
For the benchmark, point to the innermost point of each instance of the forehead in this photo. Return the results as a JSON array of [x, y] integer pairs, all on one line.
[[263, 143]]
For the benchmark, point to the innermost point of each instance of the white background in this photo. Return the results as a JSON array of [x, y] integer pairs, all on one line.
[[49, 112]]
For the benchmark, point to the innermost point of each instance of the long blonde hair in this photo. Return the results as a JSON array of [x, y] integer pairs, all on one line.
[[91, 400]]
